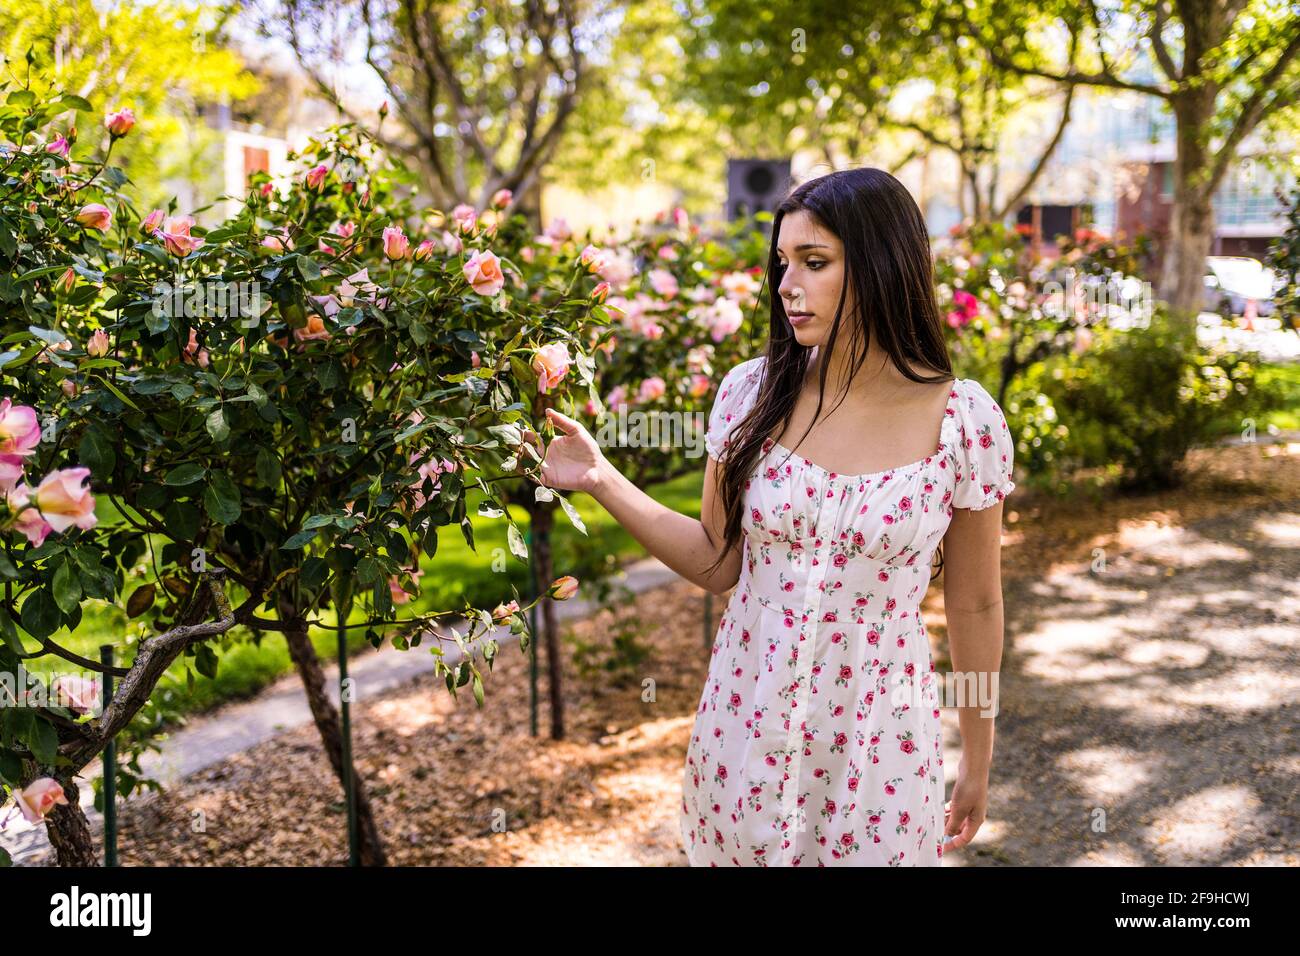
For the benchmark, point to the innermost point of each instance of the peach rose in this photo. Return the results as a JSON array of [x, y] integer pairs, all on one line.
[[119, 123], [149, 225], [95, 215], [38, 798], [79, 694], [64, 501], [503, 611], [551, 363], [564, 588], [396, 245], [20, 432], [11, 471], [175, 234], [97, 345], [483, 273]]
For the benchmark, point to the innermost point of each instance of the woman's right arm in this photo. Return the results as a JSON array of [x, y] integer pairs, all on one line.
[[573, 461]]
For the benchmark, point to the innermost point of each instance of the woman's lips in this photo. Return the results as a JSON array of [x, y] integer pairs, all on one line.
[[799, 318]]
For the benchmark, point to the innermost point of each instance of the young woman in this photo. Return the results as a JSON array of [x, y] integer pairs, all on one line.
[[817, 740]]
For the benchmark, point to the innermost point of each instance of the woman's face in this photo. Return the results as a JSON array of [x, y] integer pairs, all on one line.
[[814, 274]]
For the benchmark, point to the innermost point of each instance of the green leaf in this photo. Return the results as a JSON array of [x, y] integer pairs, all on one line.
[[298, 540], [96, 450], [116, 391], [185, 474], [73, 102], [268, 468], [314, 572], [221, 499], [308, 268], [205, 661], [7, 569], [40, 614], [217, 425], [67, 587], [44, 741], [572, 512], [368, 572], [516, 540], [182, 520], [10, 633]]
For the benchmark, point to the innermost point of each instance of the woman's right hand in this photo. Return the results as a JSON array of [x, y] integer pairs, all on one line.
[[573, 459]]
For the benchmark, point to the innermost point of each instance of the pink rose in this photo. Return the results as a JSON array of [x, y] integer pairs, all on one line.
[[651, 389], [78, 694], [59, 147], [95, 215], [97, 345], [38, 798], [503, 611], [64, 501], [24, 519], [149, 225], [564, 588], [192, 353], [396, 245], [423, 250], [483, 273], [663, 282], [20, 432], [175, 234], [466, 217], [501, 198], [278, 241], [551, 363], [11, 471], [119, 123], [316, 177]]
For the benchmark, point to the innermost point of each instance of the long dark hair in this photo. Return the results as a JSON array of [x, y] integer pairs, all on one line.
[[887, 258]]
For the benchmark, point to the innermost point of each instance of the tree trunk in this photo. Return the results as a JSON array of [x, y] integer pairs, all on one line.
[[326, 717], [1191, 238], [543, 520], [1191, 228], [69, 830]]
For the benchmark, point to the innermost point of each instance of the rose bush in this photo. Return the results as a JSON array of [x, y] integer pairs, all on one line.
[[276, 417]]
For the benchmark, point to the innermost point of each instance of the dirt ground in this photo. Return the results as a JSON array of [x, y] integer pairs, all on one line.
[[1148, 717]]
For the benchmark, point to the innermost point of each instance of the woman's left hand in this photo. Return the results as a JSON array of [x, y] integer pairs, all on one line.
[[964, 813]]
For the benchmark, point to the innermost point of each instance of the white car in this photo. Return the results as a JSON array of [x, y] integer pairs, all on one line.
[[1232, 281]]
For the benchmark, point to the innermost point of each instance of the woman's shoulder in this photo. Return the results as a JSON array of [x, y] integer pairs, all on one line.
[[735, 396], [985, 445]]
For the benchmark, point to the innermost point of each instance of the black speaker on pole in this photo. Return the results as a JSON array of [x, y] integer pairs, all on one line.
[[756, 185]]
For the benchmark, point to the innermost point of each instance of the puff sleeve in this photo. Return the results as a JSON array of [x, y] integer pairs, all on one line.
[[985, 451], [733, 402]]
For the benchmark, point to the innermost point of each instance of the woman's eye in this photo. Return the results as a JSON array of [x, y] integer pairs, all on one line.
[[815, 264]]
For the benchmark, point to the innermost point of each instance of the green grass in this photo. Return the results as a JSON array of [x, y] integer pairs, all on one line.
[[1286, 378], [456, 575]]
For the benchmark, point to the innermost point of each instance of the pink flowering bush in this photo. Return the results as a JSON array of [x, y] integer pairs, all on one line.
[[276, 417]]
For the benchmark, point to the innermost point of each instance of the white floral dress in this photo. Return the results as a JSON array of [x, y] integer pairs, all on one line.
[[817, 738]]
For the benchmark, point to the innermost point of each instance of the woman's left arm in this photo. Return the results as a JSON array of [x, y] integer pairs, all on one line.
[[972, 600]]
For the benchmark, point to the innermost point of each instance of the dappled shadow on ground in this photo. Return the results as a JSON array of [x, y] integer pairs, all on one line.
[[1149, 685]]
